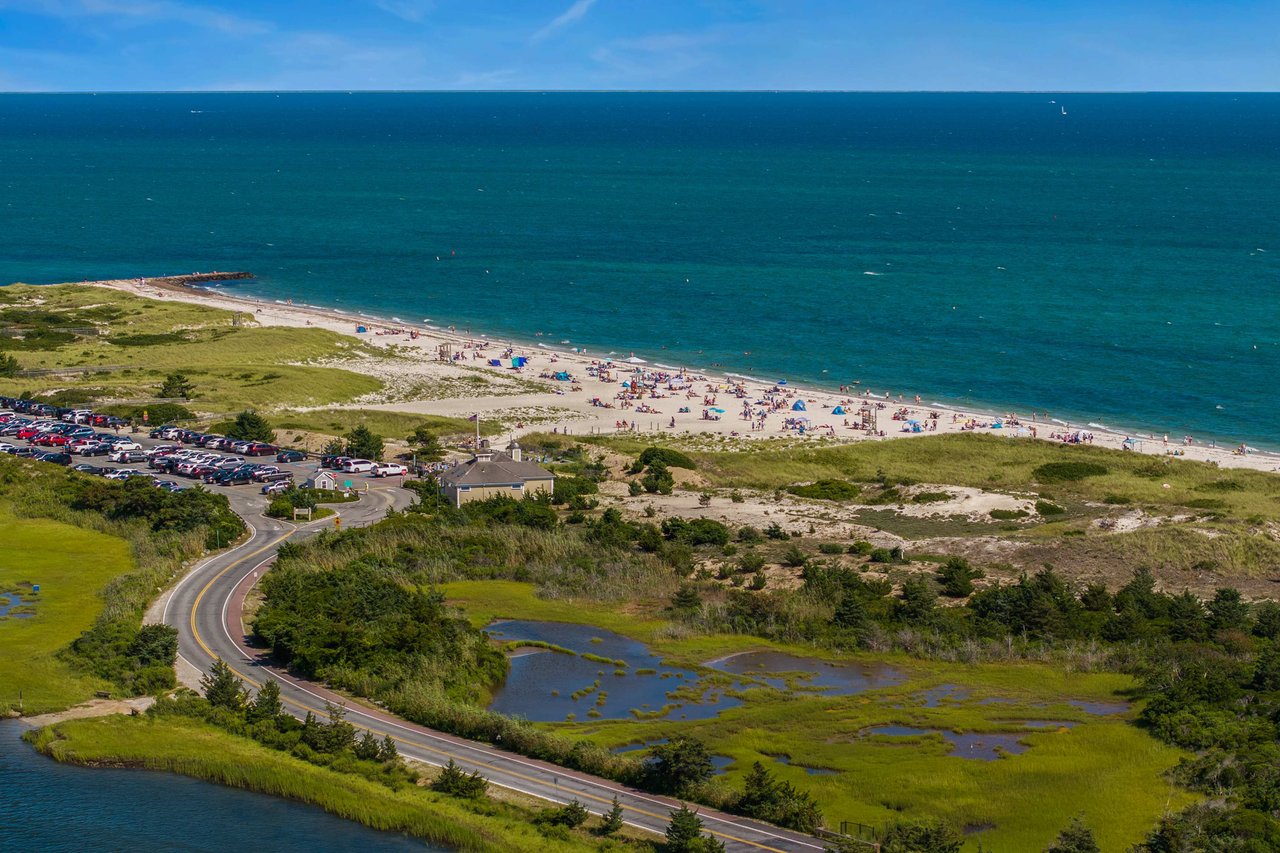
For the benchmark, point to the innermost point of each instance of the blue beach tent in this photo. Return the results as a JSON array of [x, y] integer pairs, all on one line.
[[798, 406], [838, 410], [493, 362]]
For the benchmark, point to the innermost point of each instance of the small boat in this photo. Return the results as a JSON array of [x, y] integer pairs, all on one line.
[[1064, 110]]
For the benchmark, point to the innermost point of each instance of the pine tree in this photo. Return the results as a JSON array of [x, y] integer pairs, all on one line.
[[387, 750], [362, 443], [612, 820], [312, 732], [684, 833], [251, 426], [266, 705], [339, 734], [177, 385], [686, 598], [367, 748], [1076, 838], [222, 688]]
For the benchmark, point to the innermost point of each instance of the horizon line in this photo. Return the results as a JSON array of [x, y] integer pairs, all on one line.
[[556, 91]]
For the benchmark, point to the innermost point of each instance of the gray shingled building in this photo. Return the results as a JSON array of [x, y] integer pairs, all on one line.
[[489, 473]]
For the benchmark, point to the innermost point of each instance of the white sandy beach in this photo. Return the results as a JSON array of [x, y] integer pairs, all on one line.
[[597, 396]]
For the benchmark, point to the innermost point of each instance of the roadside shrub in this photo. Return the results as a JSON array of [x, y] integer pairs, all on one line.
[[280, 507], [827, 490], [1067, 472], [454, 781]]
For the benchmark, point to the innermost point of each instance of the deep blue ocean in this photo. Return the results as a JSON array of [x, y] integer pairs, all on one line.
[[1119, 263]]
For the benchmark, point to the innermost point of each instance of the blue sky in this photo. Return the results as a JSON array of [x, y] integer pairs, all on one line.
[[101, 45]]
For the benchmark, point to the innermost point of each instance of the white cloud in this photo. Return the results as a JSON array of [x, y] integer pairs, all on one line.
[[138, 12], [413, 11], [574, 13]]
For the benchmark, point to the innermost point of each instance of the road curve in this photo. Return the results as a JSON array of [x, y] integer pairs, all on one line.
[[205, 607]]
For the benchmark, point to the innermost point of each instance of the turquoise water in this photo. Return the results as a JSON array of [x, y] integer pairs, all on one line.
[[1119, 264], [54, 807]]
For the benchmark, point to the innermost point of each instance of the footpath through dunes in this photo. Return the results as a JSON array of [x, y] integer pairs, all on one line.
[[206, 608]]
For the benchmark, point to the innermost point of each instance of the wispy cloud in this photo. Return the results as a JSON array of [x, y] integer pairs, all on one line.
[[141, 12], [574, 13], [413, 11]]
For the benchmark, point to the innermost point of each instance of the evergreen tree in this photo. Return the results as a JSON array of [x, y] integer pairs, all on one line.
[[312, 732], [425, 445], [8, 365], [612, 820], [266, 705], [1076, 838], [956, 577], [251, 426], [177, 385], [916, 604], [1267, 620], [338, 734], [363, 443], [658, 479], [1227, 610], [684, 832], [155, 645], [387, 750], [333, 447], [455, 782], [222, 688], [367, 748], [687, 599], [1186, 618], [928, 837], [679, 764], [851, 615]]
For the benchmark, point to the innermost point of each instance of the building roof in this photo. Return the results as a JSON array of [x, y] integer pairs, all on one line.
[[493, 469]]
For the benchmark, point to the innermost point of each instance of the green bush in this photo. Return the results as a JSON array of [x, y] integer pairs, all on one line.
[[664, 455], [1117, 500], [1067, 472], [280, 507], [1048, 508], [1008, 514], [831, 548], [568, 488], [931, 497], [826, 490]]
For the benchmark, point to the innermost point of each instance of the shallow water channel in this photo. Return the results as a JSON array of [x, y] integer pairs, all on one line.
[[547, 685], [11, 601]]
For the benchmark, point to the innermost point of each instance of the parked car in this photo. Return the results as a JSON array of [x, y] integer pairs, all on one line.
[[388, 469], [357, 466], [126, 444], [277, 487], [233, 477], [291, 456], [259, 448], [275, 477], [96, 448], [128, 456], [57, 457], [264, 470], [333, 461]]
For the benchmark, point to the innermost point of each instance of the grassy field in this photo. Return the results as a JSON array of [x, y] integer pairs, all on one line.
[[232, 366], [196, 749], [390, 425], [1101, 765], [71, 566]]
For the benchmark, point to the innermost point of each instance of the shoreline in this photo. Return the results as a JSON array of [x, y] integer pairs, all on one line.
[[678, 409]]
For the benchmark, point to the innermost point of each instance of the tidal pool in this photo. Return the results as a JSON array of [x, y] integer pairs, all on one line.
[[981, 746], [829, 678], [812, 771], [11, 600], [541, 683]]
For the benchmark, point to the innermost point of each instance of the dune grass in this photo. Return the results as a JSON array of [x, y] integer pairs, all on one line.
[[997, 463], [72, 566], [233, 366], [199, 750], [390, 425]]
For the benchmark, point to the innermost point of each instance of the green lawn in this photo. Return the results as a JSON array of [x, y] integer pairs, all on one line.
[[390, 425], [1101, 766], [197, 749], [71, 566]]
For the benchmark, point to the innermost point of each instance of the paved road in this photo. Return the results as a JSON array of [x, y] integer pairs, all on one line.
[[205, 607]]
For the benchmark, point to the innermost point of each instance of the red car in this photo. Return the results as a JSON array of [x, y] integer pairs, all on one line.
[[260, 449], [28, 432]]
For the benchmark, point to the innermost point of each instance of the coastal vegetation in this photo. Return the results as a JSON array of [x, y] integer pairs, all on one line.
[[1014, 653], [98, 550]]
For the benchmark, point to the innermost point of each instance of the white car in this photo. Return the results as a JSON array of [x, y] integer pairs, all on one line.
[[357, 466], [125, 444], [388, 469]]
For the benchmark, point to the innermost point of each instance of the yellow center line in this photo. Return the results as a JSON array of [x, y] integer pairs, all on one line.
[[435, 750]]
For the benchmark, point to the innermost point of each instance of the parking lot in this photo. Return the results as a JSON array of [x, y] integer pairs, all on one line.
[[175, 459]]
